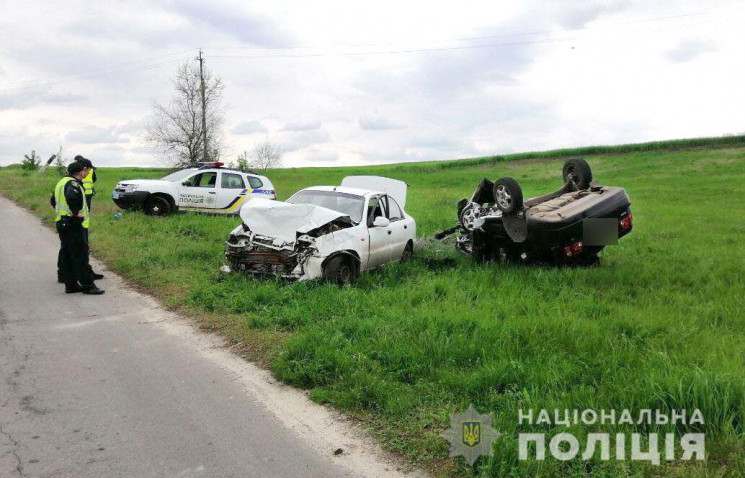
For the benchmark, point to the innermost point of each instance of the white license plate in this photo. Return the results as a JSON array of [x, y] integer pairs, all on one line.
[[115, 195]]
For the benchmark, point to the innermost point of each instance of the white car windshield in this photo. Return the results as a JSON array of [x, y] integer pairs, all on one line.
[[178, 175], [349, 204]]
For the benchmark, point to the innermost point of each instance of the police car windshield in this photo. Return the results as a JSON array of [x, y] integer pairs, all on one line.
[[178, 175], [348, 204]]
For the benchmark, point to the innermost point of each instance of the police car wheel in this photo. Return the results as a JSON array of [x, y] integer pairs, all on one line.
[[157, 206]]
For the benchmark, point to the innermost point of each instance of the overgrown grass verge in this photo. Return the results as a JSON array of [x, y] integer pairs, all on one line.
[[658, 326]]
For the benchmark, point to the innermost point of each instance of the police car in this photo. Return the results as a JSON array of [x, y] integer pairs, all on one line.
[[209, 187]]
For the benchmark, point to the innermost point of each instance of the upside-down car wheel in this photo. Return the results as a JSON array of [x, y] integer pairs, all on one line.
[[577, 174], [467, 215], [508, 195]]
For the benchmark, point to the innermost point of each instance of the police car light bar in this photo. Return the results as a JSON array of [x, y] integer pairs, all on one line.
[[210, 164]]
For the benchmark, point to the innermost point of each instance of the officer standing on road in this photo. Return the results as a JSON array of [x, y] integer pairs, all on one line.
[[72, 219], [89, 179], [89, 189]]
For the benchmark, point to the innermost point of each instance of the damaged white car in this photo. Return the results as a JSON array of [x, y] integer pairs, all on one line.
[[331, 232]]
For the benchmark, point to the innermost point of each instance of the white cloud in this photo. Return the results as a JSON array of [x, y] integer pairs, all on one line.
[[96, 135], [688, 50], [339, 83], [321, 156], [297, 140], [302, 125], [378, 123], [249, 127]]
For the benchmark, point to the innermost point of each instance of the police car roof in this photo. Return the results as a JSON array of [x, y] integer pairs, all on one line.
[[213, 168]]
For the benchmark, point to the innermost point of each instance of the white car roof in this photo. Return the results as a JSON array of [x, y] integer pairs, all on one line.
[[342, 189]]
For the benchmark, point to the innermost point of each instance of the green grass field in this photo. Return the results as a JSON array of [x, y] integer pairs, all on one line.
[[658, 326]]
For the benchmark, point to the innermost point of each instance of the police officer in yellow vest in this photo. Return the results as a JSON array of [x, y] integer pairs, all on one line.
[[72, 220], [88, 179], [89, 189]]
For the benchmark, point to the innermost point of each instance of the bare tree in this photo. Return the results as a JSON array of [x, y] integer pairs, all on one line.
[[265, 155], [175, 130]]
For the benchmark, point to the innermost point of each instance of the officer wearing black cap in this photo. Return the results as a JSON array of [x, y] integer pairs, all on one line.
[[72, 219], [88, 179]]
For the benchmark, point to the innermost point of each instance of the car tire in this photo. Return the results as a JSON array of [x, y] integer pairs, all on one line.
[[408, 252], [340, 270], [466, 216], [157, 206], [508, 195], [577, 174]]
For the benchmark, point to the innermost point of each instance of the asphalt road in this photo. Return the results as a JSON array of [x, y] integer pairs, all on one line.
[[95, 387]]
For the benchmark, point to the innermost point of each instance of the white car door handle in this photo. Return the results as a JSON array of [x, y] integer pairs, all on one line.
[[211, 192]]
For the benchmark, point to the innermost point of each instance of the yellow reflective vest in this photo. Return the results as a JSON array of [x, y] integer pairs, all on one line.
[[88, 183], [62, 208]]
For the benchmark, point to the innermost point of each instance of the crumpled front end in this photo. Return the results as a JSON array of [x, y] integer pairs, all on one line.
[[264, 256]]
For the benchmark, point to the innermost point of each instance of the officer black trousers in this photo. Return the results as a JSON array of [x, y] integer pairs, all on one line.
[[73, 257], [60, 260], [88, 200]]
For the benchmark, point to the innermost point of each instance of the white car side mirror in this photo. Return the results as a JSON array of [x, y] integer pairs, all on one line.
[[381, 221]]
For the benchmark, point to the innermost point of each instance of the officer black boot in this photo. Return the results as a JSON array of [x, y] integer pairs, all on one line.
[[92, 290], [74, 288], [94, 275]]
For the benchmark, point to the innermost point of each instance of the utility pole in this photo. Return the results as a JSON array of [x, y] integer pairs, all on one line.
[[204, 109]]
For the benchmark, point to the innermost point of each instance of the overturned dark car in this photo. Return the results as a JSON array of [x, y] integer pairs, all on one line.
[[569, 226]]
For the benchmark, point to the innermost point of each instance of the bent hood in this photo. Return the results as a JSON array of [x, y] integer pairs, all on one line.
[[283, 220]]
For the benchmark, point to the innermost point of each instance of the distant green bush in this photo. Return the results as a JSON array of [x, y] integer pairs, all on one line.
[[31, 162]]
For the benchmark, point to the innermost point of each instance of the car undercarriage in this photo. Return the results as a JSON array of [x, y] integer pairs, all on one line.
[[571, 225]]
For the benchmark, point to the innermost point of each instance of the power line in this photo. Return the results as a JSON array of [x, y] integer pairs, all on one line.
[[93, 71], [462, 39], [54, 81], [421, 50], [149, 64]]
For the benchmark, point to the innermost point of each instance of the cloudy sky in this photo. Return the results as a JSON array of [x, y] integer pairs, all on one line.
[[341, 83]]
